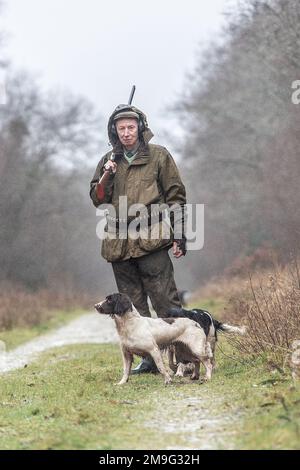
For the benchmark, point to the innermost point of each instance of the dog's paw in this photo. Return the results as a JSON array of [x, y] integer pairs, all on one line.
[[168, 380], [122, 382], [206, 379], [179, 374], [194, 377]]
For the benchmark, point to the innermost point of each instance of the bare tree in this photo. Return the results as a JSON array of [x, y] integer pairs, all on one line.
[[48, 144], [240, 155]]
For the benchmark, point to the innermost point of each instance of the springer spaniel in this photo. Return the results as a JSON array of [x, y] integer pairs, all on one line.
[[149, 336], [210, 327]]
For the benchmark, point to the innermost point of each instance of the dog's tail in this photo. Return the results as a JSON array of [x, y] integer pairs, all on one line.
[[241, 330], [177, 312]]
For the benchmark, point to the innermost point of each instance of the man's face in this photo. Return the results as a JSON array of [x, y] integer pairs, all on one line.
[[127, 130]]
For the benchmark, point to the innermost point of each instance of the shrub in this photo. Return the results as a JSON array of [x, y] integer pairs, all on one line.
[[20, 307], [270, 309]]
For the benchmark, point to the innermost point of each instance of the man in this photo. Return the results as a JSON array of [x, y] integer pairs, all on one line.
[[146, 174]]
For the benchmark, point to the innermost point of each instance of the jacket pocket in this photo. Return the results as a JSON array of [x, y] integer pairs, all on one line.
[[155, 237], [148, 191], [113, 248]]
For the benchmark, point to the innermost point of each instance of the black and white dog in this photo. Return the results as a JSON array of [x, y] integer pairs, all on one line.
[[145, 336], [210, 327]]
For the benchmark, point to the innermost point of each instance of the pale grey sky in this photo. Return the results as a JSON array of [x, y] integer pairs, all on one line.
[[100, 49]]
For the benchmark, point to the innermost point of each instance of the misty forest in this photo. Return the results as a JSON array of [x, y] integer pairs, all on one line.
[[239, 156]]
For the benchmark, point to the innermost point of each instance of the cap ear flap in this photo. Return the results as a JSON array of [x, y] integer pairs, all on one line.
[[123, 305]]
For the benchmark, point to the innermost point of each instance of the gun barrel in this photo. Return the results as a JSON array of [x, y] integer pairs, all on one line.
[[131, 95]]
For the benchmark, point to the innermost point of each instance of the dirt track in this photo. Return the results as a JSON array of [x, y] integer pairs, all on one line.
[[193, 417], [90, 328]]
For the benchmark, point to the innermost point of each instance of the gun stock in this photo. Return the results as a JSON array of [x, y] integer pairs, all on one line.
[[103, 181]]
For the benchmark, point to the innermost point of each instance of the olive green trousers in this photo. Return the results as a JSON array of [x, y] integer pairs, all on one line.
[[151, 275]]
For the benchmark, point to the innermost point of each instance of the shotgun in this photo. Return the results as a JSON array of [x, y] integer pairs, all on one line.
[[100, 189]]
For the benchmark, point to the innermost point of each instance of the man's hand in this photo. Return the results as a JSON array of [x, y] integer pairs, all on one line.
[[179, 248], [110, 166], [176, 251]]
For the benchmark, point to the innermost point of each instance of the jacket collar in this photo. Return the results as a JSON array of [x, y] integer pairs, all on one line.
[[142, 156]]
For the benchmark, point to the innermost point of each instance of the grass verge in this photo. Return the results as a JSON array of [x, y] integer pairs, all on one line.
[[69, 400]]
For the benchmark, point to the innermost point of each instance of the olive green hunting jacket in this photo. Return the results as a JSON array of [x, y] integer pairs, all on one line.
[[151, 178]]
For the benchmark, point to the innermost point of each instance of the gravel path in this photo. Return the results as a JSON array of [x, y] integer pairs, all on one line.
[[201, 421], [89, 328]]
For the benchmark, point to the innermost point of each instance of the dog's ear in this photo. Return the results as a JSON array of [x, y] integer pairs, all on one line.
[[123, 304]]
